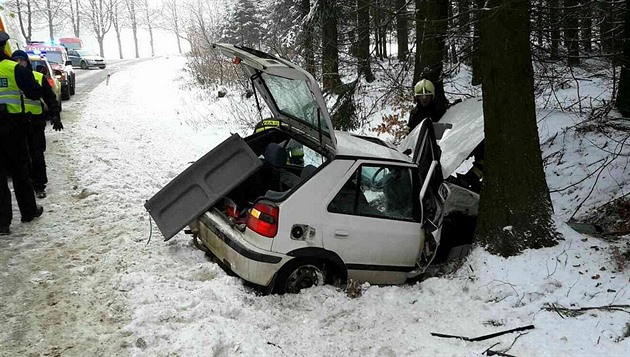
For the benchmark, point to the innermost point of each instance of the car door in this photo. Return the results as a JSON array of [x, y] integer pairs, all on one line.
[[432, 191], [372, 222], [73, 56]]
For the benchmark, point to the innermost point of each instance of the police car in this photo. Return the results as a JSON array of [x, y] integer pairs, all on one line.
[[41, 64], [346, 207]]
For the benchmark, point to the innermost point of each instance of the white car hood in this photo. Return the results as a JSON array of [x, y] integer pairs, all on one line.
[[458, 142]]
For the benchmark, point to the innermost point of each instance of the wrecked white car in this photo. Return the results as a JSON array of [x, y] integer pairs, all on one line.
[[302, 204]]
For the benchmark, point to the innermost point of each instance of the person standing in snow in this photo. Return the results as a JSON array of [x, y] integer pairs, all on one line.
[[36, 136], [424, 97], [15, 83]]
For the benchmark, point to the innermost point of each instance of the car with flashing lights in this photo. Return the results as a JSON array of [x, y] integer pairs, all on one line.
[[60, 63], [86, 59], [41, 64], [350, 207]]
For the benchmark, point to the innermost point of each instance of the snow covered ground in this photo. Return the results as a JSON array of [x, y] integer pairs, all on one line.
[[84, 279]]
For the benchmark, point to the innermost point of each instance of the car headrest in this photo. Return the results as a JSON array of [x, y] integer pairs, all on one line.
[[275, 155]]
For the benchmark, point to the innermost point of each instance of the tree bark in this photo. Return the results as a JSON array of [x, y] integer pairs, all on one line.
[[623, 96], [554, 28], [515, 209], [571, 26], [430, 51], [307, 35], [477, 65], [586, 23], [363, 32], [330, 43], [402, 29]]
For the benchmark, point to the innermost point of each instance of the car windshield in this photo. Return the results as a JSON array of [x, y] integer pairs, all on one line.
[[86, 53], [54, 57], [295, 99]]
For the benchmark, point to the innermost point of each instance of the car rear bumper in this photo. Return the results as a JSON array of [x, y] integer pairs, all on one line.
[[253, 264]]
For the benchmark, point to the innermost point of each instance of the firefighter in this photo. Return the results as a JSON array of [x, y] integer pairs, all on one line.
[[38, 116], [424, 97], [15, 82]]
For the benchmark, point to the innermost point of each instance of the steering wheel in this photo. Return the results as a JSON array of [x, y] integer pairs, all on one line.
[[378, 184]]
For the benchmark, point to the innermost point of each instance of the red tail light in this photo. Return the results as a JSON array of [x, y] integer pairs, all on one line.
[[51, 82], [263, 219]]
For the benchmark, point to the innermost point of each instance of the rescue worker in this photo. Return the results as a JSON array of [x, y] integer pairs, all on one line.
[[38, 116], [15, 82], [424, 97]]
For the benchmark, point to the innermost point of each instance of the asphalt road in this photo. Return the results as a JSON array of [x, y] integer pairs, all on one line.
[[88, 79]]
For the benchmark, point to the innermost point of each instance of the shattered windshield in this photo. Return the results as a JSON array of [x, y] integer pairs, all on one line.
[[295, 99]]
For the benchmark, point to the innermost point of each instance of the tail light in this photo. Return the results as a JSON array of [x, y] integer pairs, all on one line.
[[263, 219], [51, 82]]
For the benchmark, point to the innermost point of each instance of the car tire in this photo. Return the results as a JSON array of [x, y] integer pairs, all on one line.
[[299, 274], [65, 92], [72, 87], [84, 65], [102, 67]]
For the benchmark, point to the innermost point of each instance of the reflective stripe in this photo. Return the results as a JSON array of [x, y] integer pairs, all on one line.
[[10, 101], [10, 93], [34, 106]]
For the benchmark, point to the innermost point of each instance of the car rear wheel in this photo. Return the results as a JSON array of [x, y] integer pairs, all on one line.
[[72, 87], [65, 92], [102, 67], [297, 275], [84, 65]]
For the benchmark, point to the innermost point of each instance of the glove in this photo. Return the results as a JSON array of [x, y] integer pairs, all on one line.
[[56, 123]]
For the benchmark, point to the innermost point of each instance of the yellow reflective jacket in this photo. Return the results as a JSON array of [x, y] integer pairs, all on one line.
[[10, 94]]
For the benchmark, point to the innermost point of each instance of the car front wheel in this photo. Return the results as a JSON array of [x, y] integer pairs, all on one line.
[[84, 65], [298, 275]]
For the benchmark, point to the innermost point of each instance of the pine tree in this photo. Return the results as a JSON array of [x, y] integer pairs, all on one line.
[[515, 209]]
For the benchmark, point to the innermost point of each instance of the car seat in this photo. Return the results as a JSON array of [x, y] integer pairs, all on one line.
[[283, 180]]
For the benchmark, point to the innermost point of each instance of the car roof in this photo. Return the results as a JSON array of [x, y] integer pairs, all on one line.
[[352, 145]]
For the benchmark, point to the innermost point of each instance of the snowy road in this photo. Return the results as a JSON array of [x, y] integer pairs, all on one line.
[[82, 280]]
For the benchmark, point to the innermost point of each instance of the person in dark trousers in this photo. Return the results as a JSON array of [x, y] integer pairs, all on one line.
[[15, 83], [424, 96], [38, 115]]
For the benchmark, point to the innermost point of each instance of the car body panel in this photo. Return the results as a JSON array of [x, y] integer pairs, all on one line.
[[461, 130], [201, 185], [351, 145], [56, 86], [291, 93]]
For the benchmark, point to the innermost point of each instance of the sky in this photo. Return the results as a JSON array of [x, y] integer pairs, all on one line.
[[93, 276]]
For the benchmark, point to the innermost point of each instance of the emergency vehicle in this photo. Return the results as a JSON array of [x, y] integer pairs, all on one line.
[[61, 65]]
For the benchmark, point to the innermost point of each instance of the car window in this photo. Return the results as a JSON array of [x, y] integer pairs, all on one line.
[[301, 155], [295, 99], [376, 191]]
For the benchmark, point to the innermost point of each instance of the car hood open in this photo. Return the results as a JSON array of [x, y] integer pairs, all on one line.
[[291, 93], [461, 130]]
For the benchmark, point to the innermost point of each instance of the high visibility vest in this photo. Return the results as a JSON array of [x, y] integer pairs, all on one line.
[[34, 107], [10, 94]]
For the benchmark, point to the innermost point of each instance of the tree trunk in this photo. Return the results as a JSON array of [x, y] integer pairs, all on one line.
[[307, 34], [463, 29], [363, 41], [100, 45], [117, 29], [515, 209], [477, 65], [430, 52], [587, 22], [402, 29], [51, 29], [554, 28], [330, 43], [623, 96], [151, 40], [571, 26]]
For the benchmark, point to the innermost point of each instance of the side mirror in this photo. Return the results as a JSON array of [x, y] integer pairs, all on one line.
[[68, 63]]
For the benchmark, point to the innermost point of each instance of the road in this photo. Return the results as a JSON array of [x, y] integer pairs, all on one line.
[[88, 79]]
